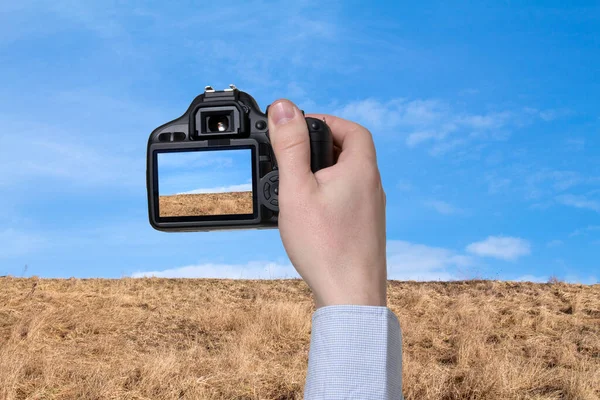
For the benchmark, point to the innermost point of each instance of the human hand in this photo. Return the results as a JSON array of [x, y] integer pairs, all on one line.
[[332, 222]]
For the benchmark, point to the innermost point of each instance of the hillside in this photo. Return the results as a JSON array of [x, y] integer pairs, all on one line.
[[243, 339], [181, 205]]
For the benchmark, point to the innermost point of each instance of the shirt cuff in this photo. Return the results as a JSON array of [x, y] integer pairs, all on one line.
[[355, 352]]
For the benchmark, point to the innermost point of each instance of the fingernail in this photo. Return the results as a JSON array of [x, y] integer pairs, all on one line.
[[281, 112]]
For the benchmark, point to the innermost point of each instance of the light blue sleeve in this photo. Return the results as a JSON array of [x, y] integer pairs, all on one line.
[[355, 353]]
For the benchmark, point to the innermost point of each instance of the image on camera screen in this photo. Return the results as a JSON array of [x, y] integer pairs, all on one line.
[[201, 183]]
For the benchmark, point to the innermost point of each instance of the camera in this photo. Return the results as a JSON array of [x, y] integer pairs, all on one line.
[[214, 168]]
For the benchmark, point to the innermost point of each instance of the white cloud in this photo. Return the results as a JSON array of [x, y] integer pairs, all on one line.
[[590, 280], [250, 270], [579, 202], [502, 247], [411, 261], [419, 137], [405, 261], [397, 113], [371, 113], [492, 120], [443, 207], [244, 187]]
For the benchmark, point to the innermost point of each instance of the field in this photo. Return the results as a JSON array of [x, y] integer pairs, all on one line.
[[248, 339], [181, 205]]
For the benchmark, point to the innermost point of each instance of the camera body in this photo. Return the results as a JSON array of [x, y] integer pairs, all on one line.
[[214, 168]]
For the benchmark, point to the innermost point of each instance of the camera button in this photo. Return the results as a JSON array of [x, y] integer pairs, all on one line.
[[179, 136], [270, 189]]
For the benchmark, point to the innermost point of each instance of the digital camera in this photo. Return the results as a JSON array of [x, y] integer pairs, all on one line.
[[214, 168]]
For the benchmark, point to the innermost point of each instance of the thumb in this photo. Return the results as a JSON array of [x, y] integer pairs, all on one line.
[[289, 137]]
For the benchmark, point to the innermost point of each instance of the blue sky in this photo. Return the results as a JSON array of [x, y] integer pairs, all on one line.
[[485, 116], [204, 171]]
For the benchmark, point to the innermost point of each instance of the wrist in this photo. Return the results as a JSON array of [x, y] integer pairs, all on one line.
[[379, 300]]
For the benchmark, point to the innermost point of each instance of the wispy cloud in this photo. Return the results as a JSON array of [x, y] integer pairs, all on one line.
[[244, 187], [194, 160], [502, 247], [277, 44], [435, 122], [443, 207], [579, 202], [404, 185], [543, 186], [72, 140], [575, 144], [72, 162], [554, 243], [469, 92], [557, 180], [584, 231], [497, 184], [548, 114]]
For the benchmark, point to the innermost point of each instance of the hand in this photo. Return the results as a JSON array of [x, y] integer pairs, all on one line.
[[332, 223]]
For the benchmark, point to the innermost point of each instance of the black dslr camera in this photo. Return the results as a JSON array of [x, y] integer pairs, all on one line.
[[214, 168]]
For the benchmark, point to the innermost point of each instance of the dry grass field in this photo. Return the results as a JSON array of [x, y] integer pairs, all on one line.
[[242, 339], [181, 205]]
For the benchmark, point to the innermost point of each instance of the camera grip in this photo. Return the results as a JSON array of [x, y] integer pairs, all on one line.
[[321, 156], [321, 144]]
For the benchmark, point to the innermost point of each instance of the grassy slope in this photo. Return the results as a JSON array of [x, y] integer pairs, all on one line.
[[182, 205], [226, 339]]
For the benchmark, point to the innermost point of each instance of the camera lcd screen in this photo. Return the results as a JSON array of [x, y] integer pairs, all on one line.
[[205, 183]]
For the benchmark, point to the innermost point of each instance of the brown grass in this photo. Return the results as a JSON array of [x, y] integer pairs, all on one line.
[[181, 205], [239, 339]]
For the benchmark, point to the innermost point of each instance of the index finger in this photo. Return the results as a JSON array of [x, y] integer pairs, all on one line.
[[348, 135]]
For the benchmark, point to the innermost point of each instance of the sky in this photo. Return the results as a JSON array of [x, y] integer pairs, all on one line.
[[214, 171], [485, 117]]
